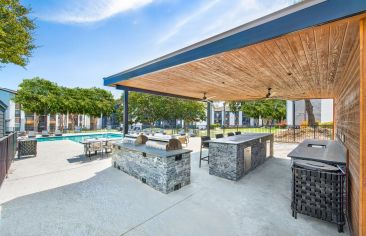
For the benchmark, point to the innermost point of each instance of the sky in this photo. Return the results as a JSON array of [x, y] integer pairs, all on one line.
[[81, 41]]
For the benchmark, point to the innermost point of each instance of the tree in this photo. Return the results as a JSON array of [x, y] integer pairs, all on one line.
[[38, 96], [189, 111], [16, 40], [147, 108], [310, 111], [43, 97], [269, 110]]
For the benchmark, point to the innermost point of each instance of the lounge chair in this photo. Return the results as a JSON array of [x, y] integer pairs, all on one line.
[[237, 132], [77, 129], [230, 134], [31, 134], [45, 133], [58, 133]]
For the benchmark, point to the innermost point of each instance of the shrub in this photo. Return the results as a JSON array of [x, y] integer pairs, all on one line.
[[214, 126]]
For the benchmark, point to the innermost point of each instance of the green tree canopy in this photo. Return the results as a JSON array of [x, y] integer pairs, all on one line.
[[269, 110], [16, 40], [41, 96], [147, 108]]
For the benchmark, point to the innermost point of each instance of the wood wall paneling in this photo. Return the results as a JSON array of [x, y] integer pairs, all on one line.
[[362, 197], [347, 116]]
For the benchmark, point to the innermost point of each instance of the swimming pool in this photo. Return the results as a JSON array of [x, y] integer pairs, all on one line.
[[79, 138]]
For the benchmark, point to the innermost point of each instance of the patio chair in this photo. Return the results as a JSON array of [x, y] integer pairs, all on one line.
[[237, 132], [94, 147], [219, 136], [108, 147], [204, 145], [230, 134], [31, 134], [58, 133], [77, 129], [45, 133]]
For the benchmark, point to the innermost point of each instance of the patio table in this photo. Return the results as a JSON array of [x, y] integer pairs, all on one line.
[[234, 156], [87, 143]]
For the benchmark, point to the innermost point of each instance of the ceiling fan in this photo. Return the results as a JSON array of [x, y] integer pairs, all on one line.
[[269, 95], [206, 99]]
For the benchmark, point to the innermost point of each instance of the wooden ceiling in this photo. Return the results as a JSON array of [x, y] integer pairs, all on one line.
[[303, 64]]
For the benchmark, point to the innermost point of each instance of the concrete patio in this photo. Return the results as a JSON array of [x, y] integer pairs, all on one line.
[[61, 193]]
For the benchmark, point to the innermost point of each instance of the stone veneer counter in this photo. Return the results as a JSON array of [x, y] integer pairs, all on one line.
[[234, 156], [163, 170]]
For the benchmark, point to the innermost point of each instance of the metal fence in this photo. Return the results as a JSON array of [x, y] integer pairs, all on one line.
[[286, 134], [8, 146]]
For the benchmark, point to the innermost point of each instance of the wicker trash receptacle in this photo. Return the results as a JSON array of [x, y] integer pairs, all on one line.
[[318, 190]]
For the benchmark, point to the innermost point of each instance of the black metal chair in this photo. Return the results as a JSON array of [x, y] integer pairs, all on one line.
[[230, 134], [219, 135], [204, 145], [237, 132]]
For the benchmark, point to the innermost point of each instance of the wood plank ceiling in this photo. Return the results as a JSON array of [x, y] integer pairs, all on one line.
[[304, 64]]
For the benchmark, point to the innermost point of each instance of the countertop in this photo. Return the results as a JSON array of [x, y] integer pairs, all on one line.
[[241, 138], [327, 151], [153, 151]]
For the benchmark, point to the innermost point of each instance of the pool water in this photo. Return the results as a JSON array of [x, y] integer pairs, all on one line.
[[79, 138]]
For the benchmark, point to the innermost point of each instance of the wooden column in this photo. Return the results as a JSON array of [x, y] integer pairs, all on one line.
[[362, 194], [125, 111]]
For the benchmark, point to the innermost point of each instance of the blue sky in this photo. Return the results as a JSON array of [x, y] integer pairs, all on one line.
[[81, 41]]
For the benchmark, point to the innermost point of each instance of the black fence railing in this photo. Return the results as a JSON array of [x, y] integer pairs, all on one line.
[[8, 145], [286, 134]]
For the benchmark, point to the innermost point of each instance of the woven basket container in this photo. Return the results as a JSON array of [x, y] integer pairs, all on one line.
[[318, 191]]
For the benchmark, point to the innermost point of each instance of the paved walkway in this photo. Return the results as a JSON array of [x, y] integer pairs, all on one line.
[[62, 193]]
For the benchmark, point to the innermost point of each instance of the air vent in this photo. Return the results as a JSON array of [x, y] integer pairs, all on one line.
[[177, 186], [178, 157]]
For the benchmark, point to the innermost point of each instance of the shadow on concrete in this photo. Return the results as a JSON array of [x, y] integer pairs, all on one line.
[[110, 202]]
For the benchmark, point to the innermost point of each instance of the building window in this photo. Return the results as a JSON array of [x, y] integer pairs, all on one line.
[[218, 117], [227, 118], [245, 120]]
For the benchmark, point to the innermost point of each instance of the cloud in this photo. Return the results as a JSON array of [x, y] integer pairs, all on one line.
[[185, 20], [216, 17], [89, 11]]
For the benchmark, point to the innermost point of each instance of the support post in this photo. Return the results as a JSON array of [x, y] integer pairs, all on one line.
[[208, 118], [125, 111]]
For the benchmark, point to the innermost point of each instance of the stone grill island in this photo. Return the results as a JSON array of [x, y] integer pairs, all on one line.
[[154, 163], [232, 157]]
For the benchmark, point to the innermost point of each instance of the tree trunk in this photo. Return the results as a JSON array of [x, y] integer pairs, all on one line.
[[61, 122], [35, 122], [310, 112]]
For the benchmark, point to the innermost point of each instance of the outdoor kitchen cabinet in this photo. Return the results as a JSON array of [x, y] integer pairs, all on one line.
[[165, 171]]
